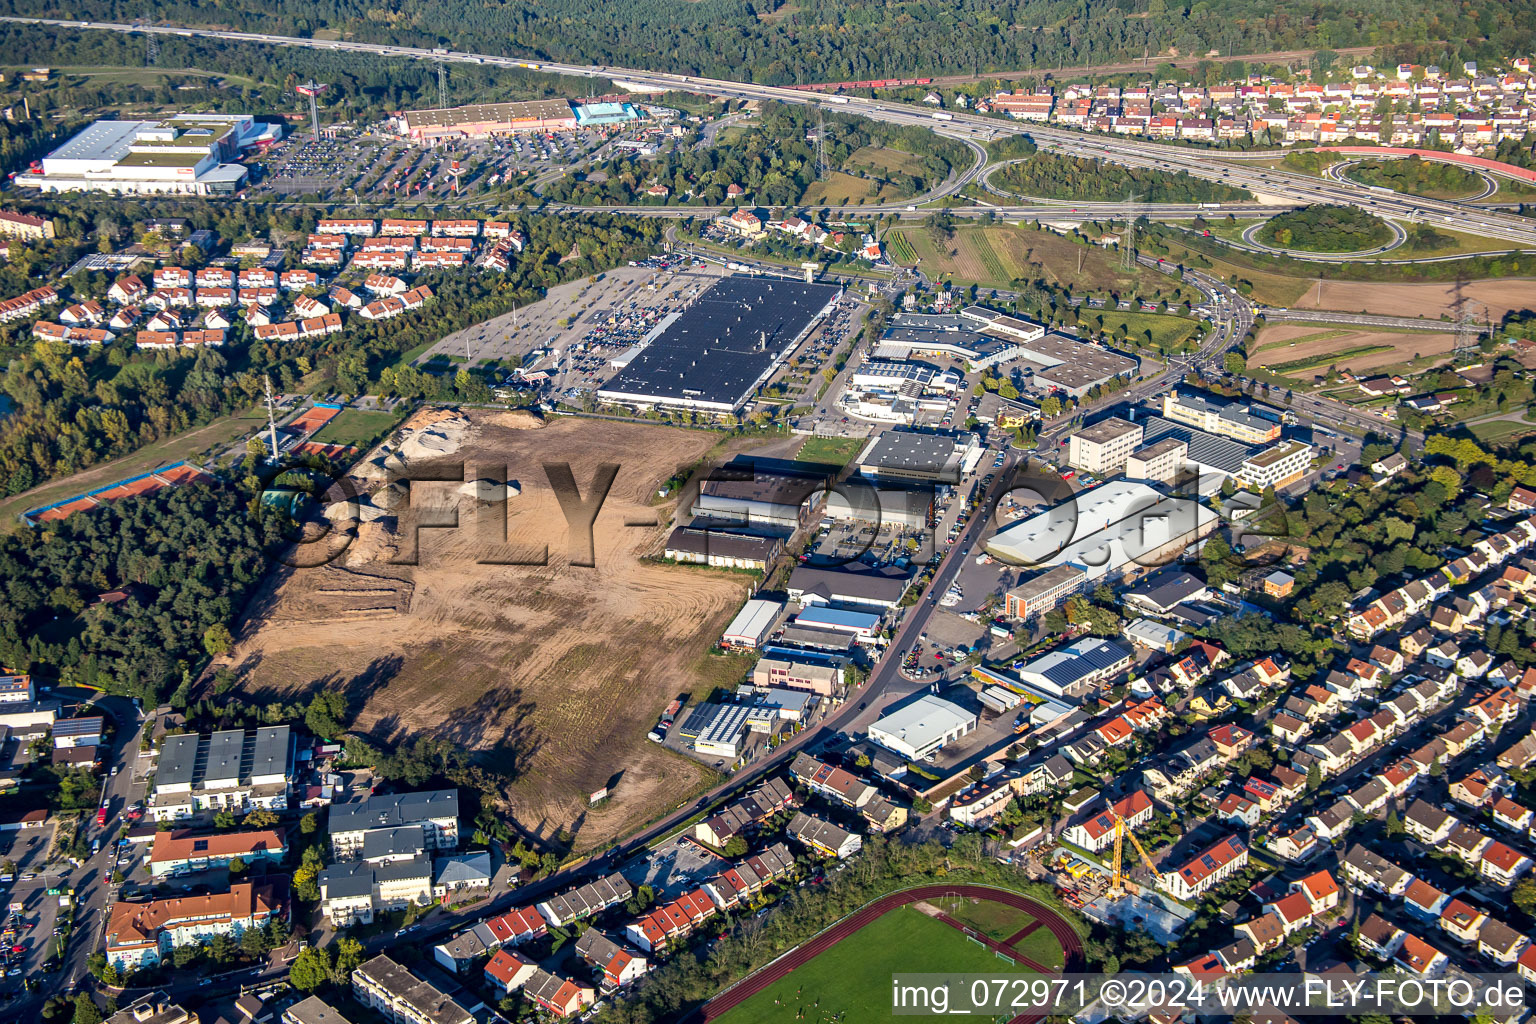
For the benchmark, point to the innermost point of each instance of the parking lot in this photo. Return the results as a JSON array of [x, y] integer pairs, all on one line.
[[31, 914], [586, 322]]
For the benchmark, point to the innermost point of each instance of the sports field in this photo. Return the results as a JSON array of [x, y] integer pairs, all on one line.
[[852, 981], [357, 427]]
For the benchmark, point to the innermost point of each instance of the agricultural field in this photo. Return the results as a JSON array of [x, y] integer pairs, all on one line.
[[994, 256], [1432, 299], [552, 673], [1308, 351], [851, 981]]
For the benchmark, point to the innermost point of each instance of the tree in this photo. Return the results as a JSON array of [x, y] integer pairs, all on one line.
[[349, 957], [309, 970], [735, 847], [1524, 896], [86, 1011], [236, 866], [309, 824], [261, 817], [217, 639], [1314, 777], [224, 819], [326, 715], [254, 944]]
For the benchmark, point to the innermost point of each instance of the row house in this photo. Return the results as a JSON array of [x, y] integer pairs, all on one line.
[[739, 883], [666, 925], [1096, 832], [396, 226], [261, 295], [447, 244], [172, 277], [513, 928], [438, 260], [327, 242], [456, 228], [390, 243], [586, 900], [325, 257], [168, 298], [336, 226], [1366, 870], [298, 280], [257, 277], [619, 965], [381, 261], [1206, 869], [129, 289], [215, 297], [759, 804], [306, 306], [556, 995], [83, 313]]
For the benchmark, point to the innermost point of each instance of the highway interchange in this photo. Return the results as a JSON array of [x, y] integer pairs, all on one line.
[[1276, 186]]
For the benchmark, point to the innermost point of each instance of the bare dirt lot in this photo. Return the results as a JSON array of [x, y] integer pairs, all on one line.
[[1306, 350], [554, 673], [1431, 299]]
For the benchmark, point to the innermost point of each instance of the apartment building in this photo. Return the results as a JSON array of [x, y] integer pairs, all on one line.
[[382, 984], [436, 812], [1207, 869], [140, 934], [183, 852], [231, 770]]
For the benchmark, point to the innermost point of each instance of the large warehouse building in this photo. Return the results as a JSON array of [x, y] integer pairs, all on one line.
[[480, 120], [187, 154], [1110, 531], [726, 344]]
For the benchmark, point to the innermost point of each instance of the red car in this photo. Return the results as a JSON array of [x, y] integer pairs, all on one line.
[[101, 815]]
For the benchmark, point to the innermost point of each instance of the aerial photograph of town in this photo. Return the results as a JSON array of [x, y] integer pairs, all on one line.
[[762, 511]]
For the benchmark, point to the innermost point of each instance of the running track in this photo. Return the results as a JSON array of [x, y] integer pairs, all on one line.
[[1071, 944]]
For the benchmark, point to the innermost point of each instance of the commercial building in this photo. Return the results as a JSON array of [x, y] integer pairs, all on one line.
[[436, 812], [1104, 447], [722, 735], [1217, 458], [230, 770], [714, 354], [1116, 529], [479, 120], [922, 727], [985, 338], [382, 984], [1043, 592], [140, 934], [1159, 462], [860, 587], [598, 115], [778, 673], [189, 154], [183, 852], [1228, 419], [890, 375], [907, 457], [1074, 670], [752, 625]]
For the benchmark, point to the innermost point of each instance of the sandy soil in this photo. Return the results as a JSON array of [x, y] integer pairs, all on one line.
[[554, 673], [1405, 346], [1431, 299]]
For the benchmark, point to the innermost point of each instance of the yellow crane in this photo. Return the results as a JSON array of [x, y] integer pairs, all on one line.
[[1118, 881]]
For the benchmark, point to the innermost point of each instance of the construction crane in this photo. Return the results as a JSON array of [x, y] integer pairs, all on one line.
[[1118, 884]]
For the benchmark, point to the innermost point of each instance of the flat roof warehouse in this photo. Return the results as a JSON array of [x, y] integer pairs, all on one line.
[[714, 354]]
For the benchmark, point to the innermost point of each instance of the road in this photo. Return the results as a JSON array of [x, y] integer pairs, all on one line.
[[1284, 186]]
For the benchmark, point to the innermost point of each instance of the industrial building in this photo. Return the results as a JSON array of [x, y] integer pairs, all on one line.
[[775, 494], [752, 625], [922, 727], [1043, 592], [480, 120], [1114, 530], [186, 154], [714, 354], [1159, 462], [1071, 672], [857, 586], [1104, 447], [721, 548]]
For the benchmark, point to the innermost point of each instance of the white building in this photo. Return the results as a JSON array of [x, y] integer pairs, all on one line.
[[922, 727], [1104, 447], [189, 154], [229, 770], [436, 812]]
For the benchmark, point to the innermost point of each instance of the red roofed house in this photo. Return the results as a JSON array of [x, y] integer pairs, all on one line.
[[1207, 869], [1502, 864], [1098, 832], [1321, 889], [507, 971]]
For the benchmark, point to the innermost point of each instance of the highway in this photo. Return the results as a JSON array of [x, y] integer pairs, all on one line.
[[1283, 186]]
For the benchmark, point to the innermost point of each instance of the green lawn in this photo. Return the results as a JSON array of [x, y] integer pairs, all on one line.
[[854, 977], [995, 920], [1041, 947], [356, 427], [1168, 333], [838, 451]]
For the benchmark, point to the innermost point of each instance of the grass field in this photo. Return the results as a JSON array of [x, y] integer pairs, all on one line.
[[840, 189], [883, 161], [994, 256], [837, 451], [992, 919], [357, 427], [1501, 430], [1041, 947], [1304, 350], [853, 978], [194, 444], [1160, 331]]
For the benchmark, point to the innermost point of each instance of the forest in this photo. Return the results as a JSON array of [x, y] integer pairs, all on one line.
[[76, 407], [770, 158], [777, 42], [1325, 228], [1416, 176], [1051, 176], [188, 558], [250, 78]]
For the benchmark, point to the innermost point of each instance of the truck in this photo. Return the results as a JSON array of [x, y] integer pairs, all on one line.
[[940, 115], [837, 99], [101, 815]]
